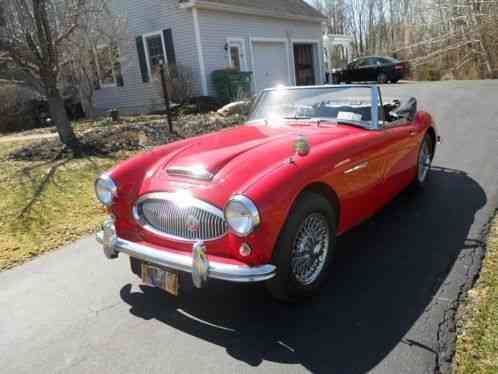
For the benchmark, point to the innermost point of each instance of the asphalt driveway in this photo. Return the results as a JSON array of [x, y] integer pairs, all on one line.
[[388, 308]]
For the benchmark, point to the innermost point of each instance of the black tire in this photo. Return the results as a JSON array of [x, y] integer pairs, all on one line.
[[285, 286], [394, 81], [382, 78], [421, 178]]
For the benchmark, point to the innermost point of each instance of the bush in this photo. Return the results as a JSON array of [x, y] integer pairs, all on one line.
[[20, 109], [428, 72], [180, 83]]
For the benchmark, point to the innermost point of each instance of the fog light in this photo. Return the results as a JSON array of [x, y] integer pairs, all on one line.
[[245, 250]]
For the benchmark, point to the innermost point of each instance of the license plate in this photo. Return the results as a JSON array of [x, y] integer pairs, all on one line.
[[161, 278]]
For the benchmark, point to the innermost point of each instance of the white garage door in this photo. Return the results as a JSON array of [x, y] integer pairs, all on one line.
[[270, 64]]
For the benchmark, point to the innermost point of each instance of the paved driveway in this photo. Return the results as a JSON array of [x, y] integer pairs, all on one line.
[[388, 307]]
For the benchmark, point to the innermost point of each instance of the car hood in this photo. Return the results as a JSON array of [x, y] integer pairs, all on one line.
[[232, 158], [212, 153]]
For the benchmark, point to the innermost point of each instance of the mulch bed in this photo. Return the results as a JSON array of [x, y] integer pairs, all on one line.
[[107, 138]]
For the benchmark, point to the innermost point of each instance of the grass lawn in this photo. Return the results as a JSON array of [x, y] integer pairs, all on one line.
[[477, 344], [45, 205], [36, 216]]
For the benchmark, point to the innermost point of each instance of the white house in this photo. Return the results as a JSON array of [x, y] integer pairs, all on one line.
[[279, 41]]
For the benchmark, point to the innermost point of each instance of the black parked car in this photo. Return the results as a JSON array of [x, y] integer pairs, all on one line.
[[373, 68]]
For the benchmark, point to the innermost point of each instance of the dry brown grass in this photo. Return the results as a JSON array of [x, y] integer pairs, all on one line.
[[477, 343]]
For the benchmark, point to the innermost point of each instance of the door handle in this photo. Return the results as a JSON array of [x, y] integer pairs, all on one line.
[[358, 167], [413, 133]]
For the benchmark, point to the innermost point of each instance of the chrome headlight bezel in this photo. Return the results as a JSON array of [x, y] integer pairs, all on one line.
[[242, 215], [105, 189]]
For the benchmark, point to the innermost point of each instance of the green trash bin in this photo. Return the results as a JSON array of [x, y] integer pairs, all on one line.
[[232, 85]]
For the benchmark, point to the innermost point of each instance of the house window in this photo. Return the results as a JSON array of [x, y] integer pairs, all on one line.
[[235, 57], [107, 66], [155, 52]]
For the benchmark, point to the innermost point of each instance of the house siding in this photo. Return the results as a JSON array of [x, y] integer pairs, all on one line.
[[217, 26], [146, 17]]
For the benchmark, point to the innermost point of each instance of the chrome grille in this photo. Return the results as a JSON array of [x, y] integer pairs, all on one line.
[[191, 220]]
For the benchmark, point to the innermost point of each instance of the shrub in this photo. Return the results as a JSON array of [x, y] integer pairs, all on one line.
[[20, 108]]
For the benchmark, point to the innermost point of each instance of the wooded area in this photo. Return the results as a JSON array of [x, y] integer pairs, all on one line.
[[442, 39]]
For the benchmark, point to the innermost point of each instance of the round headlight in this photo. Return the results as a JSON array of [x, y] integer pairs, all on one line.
[[242, 215], [105, 189]]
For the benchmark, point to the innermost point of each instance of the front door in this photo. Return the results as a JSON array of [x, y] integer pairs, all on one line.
[[304, 64], [237, 55]]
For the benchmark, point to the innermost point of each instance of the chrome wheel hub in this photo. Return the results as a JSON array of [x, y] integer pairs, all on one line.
[[310, 249], [424, 162]]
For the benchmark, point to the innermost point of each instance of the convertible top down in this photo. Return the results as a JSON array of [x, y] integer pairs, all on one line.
[[264, 201]]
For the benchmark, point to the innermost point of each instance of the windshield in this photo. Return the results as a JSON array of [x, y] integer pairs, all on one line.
[[336, 104]]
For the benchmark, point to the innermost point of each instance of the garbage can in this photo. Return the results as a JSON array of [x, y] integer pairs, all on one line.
[[232, 85]]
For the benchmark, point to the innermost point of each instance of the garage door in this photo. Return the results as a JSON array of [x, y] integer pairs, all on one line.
[[270, 64]]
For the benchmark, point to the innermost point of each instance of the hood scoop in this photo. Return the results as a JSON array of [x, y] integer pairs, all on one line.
[[198, 172], [203, 160]]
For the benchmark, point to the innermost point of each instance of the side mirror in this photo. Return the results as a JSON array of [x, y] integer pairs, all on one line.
[[406, 111]]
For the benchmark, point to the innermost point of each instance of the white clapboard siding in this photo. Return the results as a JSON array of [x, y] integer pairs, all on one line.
[[146, 17], [216, 27]]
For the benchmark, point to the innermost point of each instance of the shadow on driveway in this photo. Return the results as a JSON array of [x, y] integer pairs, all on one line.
[[385, 275]]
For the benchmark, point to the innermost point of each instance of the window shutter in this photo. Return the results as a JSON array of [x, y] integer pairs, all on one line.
[[142, 59], [170, 48]]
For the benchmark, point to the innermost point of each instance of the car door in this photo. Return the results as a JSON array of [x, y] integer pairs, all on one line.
[[350, 72], [372, 69], [401, 150], [359, 177], [362, 70]]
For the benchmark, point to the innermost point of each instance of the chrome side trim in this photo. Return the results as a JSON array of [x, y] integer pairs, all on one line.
[[181, 199], [217, 270], [358, 167]]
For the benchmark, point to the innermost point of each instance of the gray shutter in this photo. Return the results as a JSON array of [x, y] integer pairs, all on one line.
[[170, 48], [142, 60]]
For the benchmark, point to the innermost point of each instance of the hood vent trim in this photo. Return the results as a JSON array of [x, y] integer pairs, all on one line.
[[193, 172]]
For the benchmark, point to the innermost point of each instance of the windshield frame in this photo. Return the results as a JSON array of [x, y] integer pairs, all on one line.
[[377, 106]]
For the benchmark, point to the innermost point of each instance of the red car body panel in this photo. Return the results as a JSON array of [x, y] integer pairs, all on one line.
[[260, 162]]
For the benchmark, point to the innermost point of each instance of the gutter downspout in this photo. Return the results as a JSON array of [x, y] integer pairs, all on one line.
[[198, 42]]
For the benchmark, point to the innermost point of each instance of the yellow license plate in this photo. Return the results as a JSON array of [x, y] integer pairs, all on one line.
[[161, 278]]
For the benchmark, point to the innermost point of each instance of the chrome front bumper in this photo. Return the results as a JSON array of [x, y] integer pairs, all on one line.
[[197, 263]]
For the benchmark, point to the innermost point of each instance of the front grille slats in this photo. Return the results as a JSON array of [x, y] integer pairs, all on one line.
[[197, 221]]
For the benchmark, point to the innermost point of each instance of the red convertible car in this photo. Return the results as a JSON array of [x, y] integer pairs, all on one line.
[[265, 201]]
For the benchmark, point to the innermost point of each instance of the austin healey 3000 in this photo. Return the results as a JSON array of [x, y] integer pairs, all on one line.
[[265, 201]]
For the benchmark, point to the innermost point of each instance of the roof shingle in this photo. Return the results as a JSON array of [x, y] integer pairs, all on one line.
[[282, 7]]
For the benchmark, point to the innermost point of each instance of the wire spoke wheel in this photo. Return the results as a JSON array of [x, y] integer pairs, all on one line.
[[424, 162], [310, 249]]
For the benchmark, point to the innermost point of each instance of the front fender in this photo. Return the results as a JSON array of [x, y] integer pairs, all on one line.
[[275, 193]]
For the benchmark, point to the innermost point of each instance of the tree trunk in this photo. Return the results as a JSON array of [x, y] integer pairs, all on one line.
[[59, 116]]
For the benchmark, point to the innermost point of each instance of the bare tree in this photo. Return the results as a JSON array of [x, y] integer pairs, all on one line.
[[42, 39], [452, 38]]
